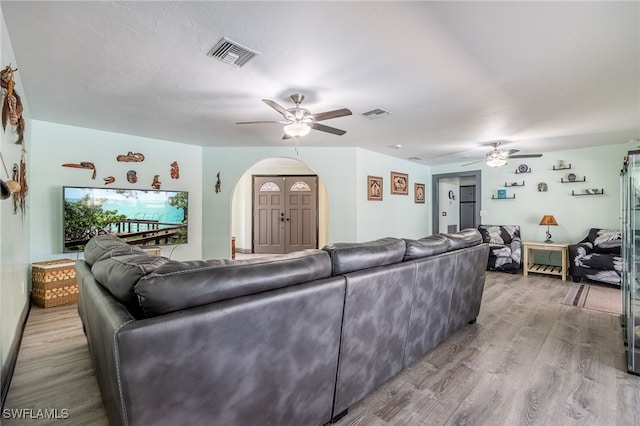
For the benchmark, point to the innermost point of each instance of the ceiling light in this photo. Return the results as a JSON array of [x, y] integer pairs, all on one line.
[[496, 162], [297, 130]]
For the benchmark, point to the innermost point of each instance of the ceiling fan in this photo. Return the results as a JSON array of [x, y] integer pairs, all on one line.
[[498, 158], [300, 121]]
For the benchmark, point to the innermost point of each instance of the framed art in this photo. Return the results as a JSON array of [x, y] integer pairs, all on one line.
[[399, 183], [374, 188], [418, 193]]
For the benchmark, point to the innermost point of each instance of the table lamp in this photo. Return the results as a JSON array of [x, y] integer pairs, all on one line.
[[548, 220]]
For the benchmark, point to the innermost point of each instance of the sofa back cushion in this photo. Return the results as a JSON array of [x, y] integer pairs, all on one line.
[[427, 246], [605, 240], [119, 274], [177, 285], [466, 238], [349, 257], [499, 234], [105, 246]]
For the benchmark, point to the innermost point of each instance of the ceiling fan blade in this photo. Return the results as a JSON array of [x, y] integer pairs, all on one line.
[[282, 110], [258, 122], [512, 151], [526, 156], [331, 114], [286, 136], [473, 162], [327, 129]]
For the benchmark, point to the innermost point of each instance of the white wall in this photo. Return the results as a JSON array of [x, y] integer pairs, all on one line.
[[447, 205], [14, 228], [575, 215], [56, 144]]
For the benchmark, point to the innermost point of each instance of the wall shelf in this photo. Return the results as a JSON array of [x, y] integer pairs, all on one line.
[[600, 192], [509, 185], [584, 179], [562, 168], [519, 172], [493, 197]]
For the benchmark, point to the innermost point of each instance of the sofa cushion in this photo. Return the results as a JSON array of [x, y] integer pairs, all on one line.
[[119, 274], [178, 285], [499, 234], [427, 246], [349, 257], [605, 240], [104, 246], [466, 238]]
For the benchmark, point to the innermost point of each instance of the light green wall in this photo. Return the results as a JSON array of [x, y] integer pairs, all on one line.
[[396, 215], [56, 144], [575, 215], [350, 216], [14, 229]]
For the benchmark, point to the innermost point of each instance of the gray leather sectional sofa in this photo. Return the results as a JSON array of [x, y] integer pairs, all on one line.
[[291, 340]]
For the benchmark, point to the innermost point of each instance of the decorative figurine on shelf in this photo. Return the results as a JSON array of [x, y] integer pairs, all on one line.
[[156, 182], [175, 170], [218, 184], [83, 165], [132, 177], [109, 180], [131, 157]]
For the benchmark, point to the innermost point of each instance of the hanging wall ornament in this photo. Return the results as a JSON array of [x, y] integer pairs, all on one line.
[[156, 182], [83, 165], [218, 184], [131, 176], [20, 176], [11, 104], [175, 170], [131, 157]]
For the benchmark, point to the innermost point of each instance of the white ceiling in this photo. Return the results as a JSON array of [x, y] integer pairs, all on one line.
[[454, 75]]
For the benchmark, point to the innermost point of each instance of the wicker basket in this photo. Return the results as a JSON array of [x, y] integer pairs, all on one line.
[[54, 282]]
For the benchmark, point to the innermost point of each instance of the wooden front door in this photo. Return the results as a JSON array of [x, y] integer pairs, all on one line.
[[285, 213]]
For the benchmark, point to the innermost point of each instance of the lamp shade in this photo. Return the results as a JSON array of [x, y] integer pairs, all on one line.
[[297, 130], [548, 220]]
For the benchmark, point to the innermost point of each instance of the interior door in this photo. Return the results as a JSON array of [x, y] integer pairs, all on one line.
[[285, 213]]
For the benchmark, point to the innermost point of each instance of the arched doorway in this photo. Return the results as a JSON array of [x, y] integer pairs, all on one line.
[[242, 211]]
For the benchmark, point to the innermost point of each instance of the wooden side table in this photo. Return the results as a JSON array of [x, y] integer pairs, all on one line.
[[529, 266]]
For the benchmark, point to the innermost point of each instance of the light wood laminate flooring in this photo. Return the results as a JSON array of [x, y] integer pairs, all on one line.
[[529, 360]]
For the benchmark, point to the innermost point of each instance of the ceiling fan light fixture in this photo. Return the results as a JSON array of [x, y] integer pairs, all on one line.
[[297, 130], [496, 162]]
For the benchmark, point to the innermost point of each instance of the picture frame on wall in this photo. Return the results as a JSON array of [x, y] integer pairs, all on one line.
[[399, 183], [374, 188], [419, 193]]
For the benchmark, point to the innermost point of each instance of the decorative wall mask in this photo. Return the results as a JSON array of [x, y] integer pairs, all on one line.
[[131, 176], [131, 157], [83, 165], [109, 180], [156, 182], [20, 176], [218, 184], [11, 104], [175, 170]]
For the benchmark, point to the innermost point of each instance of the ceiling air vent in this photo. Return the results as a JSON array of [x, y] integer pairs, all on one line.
[[375, 113], [231, 52]]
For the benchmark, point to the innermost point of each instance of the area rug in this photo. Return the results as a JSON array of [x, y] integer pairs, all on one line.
[[598, 298]]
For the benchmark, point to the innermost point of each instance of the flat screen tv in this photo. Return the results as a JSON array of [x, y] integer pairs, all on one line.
[[140, 217]]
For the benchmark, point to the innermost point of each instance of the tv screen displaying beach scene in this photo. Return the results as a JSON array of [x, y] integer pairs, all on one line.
[[139, 217]]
